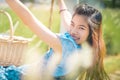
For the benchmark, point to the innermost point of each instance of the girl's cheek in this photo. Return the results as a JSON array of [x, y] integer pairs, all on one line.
[[83, 37], [82, 34]]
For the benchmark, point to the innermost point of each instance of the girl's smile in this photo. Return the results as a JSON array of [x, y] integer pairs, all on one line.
[[75, 37], [79, 28]]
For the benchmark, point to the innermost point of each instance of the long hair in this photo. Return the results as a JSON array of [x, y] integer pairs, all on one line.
[[95, 39]]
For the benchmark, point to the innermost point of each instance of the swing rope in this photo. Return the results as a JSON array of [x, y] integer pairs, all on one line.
[[51, 13]]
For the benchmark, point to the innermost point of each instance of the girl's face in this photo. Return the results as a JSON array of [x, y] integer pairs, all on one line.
[[79, 28]]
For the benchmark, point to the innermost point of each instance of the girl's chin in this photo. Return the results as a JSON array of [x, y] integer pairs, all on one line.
[[78, 41]]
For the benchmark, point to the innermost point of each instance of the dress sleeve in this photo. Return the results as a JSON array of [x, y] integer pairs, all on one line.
[[68, 44], [47, 56]]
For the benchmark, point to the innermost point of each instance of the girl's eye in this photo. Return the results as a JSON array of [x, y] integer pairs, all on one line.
[[81, 28], [72, 25]]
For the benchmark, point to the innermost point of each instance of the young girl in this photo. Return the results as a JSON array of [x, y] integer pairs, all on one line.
[[83, 26]]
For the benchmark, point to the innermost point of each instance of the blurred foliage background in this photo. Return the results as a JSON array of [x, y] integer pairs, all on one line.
[[111, 20]]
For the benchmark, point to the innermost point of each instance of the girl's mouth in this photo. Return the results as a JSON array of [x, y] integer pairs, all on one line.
[[75, 38]]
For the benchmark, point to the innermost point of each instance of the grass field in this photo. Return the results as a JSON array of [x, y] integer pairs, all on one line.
[[111, 62]]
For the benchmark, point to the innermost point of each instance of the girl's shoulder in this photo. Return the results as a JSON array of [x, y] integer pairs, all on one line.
[[67, 40]]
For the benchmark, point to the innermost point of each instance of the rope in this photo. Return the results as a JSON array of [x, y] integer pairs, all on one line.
[[51, 13]]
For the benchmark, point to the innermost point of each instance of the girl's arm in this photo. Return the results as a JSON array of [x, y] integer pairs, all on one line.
[[36, 26], [65, 14]]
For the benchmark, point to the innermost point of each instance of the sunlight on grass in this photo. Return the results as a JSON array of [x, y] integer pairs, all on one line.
[[112, 63]]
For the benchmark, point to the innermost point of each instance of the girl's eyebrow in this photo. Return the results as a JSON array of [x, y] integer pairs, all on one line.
[[72, 22], [83, 26], [79, 25]]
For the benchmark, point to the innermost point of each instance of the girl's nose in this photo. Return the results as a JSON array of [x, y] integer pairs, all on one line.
[[74, 31]]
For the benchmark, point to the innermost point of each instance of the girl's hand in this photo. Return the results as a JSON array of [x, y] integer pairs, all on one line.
[[65, 14]]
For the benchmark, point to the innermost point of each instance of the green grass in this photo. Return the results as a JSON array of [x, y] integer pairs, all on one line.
[[112, 64]]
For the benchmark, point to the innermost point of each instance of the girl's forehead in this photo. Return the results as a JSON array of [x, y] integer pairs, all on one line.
[[81, 19]]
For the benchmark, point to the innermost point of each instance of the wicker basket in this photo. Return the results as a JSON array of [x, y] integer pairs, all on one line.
[[11, 47]]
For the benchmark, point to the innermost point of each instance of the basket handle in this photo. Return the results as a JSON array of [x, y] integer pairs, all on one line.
[[11, 23]]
